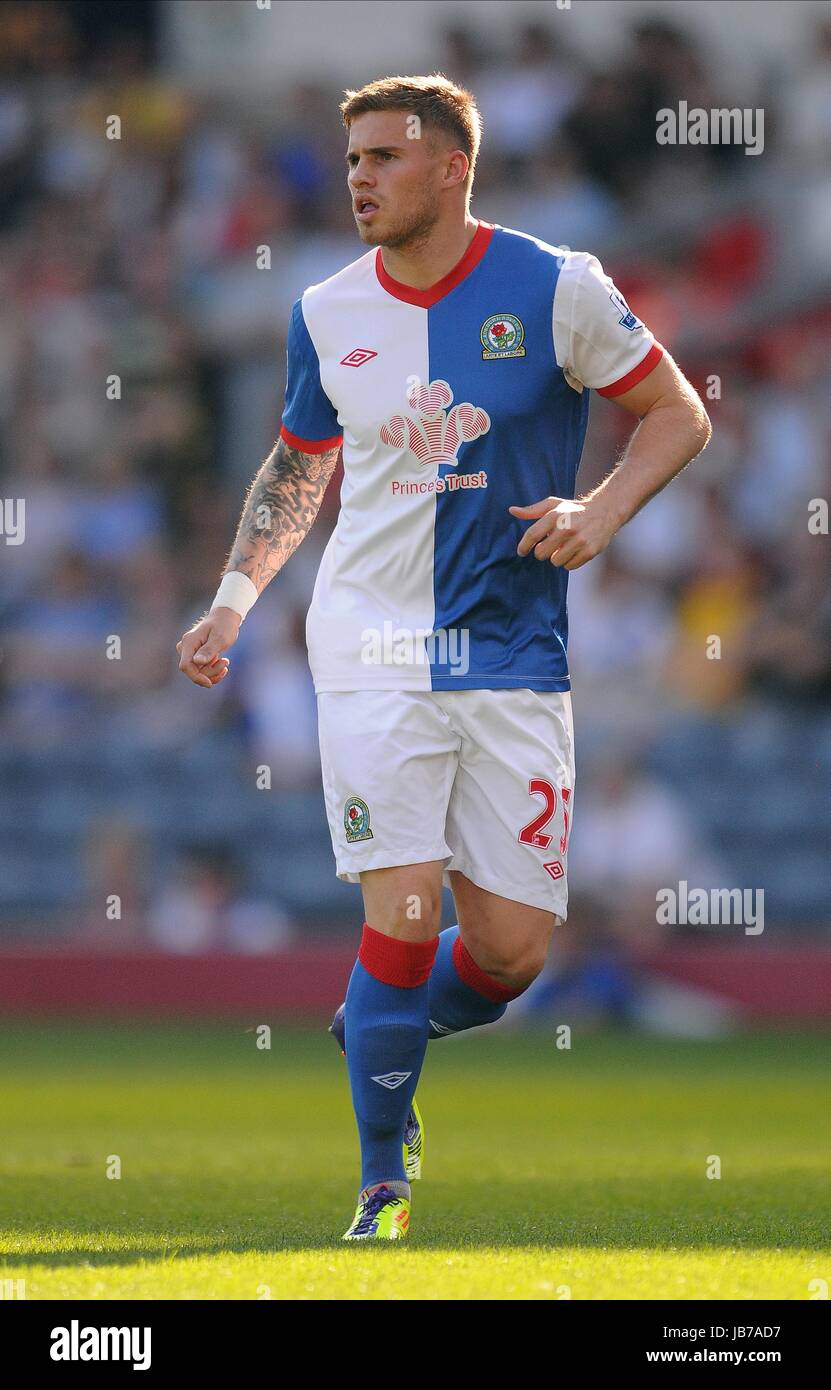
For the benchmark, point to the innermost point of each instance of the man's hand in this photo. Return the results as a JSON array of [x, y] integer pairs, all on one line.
[[673, 429], [281, 505], [567, 533], [200, 649]]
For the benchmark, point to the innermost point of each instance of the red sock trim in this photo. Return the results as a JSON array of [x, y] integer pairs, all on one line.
[[477, 979], [403, 963]]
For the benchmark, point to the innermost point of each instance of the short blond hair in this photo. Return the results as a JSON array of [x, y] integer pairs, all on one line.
[[440, 104]]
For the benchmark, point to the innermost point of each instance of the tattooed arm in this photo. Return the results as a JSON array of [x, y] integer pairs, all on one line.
[[280, 507]]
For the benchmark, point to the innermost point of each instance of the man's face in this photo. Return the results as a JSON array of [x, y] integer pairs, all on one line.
[[398, 178]]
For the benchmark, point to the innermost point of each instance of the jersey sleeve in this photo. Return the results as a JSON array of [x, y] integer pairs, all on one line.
[[310, 421], [598, 341]]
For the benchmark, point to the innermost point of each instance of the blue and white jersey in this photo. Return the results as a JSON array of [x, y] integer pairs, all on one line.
[[453, 404]]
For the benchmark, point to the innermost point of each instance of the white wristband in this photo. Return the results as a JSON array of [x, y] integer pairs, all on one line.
[[237, 592]]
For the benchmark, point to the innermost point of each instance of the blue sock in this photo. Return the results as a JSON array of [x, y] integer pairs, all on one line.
[[386, 1039], [454, 1004]]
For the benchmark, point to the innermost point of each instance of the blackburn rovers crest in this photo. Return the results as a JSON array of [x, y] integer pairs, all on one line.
[[502, 335], [356, 820]]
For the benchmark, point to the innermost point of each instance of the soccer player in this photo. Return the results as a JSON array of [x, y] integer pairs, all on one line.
[[452, 362]]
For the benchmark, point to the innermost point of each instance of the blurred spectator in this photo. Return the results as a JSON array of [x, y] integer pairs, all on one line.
[[134, 263], [556, 202], [464, 55], [632, 836], [590, 982], [621, 630], [807, 101], [203, 907], [113, 914], [58, 652], [786, 648], [277, 695], [524, 101]]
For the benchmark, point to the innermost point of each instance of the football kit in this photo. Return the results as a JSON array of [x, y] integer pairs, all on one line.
[[438, 653]]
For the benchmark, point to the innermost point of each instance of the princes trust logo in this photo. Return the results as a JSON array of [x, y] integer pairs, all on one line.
[[437, 433]]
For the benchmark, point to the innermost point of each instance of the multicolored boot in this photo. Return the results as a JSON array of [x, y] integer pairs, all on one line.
[[382, 1215]]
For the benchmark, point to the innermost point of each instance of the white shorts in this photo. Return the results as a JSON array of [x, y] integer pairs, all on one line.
[[482, 779]]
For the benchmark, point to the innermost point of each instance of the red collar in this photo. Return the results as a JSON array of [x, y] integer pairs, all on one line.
[[426, 298]]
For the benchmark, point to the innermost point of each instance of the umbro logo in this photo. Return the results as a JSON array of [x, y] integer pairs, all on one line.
[[554, 868], [392, 1079], [357, 357]]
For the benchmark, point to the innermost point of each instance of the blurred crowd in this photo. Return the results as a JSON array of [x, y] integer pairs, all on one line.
[[141, 375]]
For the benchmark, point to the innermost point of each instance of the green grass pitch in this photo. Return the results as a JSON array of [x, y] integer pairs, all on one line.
[[549, 1174]]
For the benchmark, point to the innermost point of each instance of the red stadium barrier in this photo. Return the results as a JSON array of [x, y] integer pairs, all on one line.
[[769, 983], [305, 981]]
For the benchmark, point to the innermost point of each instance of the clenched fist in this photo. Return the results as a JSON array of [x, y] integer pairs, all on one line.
[[200, 649]]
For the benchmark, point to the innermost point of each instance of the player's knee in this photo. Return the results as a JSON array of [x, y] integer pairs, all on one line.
[[397, 922], [519, 968]]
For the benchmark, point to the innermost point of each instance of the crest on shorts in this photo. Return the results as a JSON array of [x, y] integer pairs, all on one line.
[[356, 820], [502, 335]]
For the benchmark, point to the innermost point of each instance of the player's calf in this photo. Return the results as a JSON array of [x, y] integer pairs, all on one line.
[[385, 1017], [462, 995]]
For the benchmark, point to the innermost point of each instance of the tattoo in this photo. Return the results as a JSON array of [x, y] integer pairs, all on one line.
[[281, 505]]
